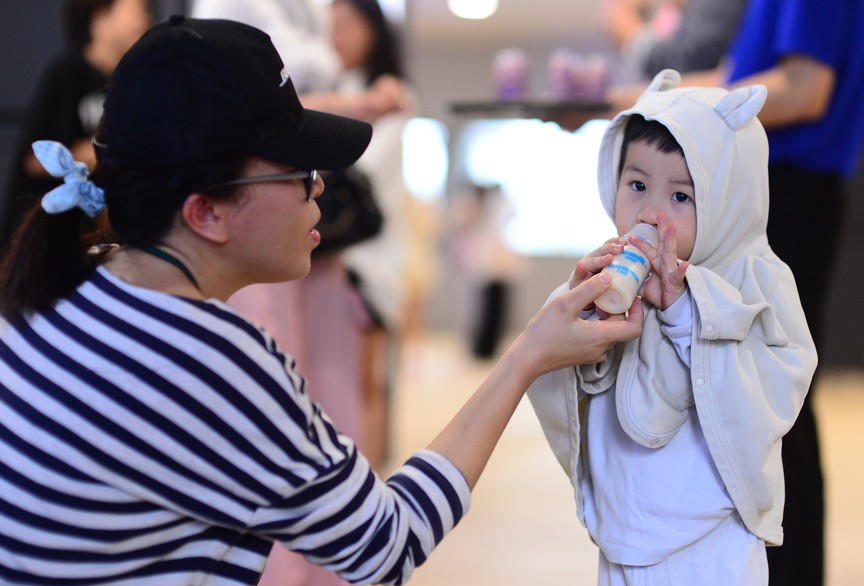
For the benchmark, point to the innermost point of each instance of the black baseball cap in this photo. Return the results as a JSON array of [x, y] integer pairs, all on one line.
[[195, 90]]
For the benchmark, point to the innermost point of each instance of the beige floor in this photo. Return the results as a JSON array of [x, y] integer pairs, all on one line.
[[522, 529]]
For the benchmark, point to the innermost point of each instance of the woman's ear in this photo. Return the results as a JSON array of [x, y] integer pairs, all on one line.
[[205, 217]]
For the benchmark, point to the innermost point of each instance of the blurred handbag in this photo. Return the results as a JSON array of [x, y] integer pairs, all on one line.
[[349, 212]]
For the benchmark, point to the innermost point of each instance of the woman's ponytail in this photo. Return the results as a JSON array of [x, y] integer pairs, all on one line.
[[48, 257]]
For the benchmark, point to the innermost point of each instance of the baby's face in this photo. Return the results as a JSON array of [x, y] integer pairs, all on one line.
[[652, 182]]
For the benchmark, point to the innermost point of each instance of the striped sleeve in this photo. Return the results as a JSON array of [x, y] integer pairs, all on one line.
[[368, 530]]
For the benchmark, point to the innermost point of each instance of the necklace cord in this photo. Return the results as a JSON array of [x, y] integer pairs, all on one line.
[[170, 258]]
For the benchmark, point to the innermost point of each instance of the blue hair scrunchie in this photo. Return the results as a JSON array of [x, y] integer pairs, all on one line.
[[77, 190]]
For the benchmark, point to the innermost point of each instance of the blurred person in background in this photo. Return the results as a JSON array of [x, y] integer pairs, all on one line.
[[373, 83], [398, 268], [811, 58], [652, 35], [685, 35], [488, 265], [298, 29], [67, 103]]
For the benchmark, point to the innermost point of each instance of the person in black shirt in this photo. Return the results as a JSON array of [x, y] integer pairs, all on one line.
[[67, 103]]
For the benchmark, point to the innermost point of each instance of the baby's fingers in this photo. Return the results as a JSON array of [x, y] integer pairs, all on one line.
[[670, 244], [580, 273], [612, 246], [646, 248], [595, 264], [676, 278]]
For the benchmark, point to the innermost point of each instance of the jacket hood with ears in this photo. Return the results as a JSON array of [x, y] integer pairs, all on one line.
[[726, 150]]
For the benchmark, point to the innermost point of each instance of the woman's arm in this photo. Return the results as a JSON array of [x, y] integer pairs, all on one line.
[[555, 338], [387, 95]]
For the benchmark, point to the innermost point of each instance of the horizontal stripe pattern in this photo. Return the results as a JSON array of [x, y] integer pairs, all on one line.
[[150, 439]]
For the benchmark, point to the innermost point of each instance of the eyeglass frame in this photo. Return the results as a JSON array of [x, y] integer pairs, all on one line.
[[309, 179]]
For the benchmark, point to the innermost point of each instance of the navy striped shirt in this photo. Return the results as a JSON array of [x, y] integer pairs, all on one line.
[[152, 439]]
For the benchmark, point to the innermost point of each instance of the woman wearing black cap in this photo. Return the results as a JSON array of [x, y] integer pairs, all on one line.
[[151, 435]]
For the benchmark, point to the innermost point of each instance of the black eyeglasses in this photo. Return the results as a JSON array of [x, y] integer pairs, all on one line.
[[309, 179]]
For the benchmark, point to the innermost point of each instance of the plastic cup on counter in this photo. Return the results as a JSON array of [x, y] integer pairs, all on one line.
[[510, 70]]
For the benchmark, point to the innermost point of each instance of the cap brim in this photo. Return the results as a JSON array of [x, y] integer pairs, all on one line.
[[318, 141]]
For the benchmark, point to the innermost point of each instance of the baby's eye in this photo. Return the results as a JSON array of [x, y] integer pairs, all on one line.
[[680, 197], [637, 186]]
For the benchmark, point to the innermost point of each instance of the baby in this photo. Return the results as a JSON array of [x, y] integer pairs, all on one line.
[[673, 442]]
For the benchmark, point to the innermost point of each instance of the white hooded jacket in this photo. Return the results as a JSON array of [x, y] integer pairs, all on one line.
[[752, 355]]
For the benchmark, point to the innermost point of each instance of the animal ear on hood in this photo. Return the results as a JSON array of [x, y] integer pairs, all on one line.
[[665, 80], [741, 105]]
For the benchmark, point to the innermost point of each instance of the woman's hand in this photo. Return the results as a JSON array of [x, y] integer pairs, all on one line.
[[554, 338], [557, 338]]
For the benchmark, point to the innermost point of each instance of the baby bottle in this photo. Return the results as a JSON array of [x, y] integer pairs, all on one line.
[[628, 271]]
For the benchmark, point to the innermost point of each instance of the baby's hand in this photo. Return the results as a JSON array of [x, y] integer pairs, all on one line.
[[666, 283], [594, 262]]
